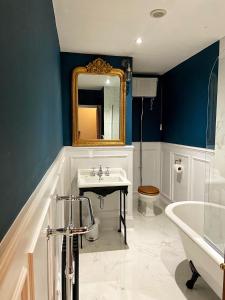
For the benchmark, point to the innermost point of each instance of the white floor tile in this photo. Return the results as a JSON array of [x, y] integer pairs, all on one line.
[[154, 266]]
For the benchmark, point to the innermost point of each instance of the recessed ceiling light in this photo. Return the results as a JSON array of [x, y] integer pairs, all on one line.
[[139, 41], [107, 81], [158, 13]]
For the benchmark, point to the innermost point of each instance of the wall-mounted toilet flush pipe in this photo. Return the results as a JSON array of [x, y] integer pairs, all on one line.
[[144, 88], [141, 134], [142, 114]]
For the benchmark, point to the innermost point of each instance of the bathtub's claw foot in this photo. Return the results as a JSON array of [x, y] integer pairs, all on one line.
[[190, 283]]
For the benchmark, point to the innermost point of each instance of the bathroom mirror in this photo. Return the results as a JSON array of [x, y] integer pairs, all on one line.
[[98, 96]]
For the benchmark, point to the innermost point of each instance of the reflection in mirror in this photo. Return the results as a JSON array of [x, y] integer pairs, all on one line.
[[98, 107]]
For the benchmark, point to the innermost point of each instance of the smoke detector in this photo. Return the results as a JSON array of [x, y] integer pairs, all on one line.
[[158, 13]]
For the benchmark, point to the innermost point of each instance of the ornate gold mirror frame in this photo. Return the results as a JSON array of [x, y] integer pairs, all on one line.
[[97, 67]]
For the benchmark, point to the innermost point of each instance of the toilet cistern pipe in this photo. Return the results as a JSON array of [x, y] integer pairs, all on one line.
[[142, 113]]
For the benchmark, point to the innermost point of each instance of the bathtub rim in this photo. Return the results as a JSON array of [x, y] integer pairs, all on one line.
[[193, 235]]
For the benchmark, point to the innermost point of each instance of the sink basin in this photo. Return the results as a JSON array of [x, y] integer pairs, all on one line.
[[117, 177], [89, 179]]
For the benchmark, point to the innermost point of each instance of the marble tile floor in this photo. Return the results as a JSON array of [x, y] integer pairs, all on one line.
[[153, 267], [108, 241]]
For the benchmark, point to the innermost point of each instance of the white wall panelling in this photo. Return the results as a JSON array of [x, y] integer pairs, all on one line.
[[166, 178], [190, 185], [158, 161], [200, 170]]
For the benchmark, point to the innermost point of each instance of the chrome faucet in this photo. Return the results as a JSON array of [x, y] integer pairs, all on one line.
[[92, 173], [100, 172], [107, 173]]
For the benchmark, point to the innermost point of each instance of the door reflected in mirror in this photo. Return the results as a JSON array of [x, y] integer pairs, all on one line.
[[98, 107]]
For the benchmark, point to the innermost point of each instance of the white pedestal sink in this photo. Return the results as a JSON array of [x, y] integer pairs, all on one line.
[[117, 177]]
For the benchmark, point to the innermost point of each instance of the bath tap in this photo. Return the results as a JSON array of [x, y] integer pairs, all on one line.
[[100, 173]]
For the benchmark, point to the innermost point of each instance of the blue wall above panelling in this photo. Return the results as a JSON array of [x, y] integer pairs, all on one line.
[[185, 99], [69, 61], [30, 101]]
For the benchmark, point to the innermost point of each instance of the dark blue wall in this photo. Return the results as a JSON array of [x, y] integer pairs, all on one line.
[[69, 61], [185, 99], [151, 118], [30, 101]]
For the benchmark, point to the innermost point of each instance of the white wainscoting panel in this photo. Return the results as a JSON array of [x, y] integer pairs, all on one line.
[[200, 170], [166, 178], [191, 184]]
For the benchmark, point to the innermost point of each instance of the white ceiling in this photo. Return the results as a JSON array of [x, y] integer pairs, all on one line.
[[112, 27]]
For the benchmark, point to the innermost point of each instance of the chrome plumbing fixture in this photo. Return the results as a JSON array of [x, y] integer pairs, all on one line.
[[68, 231], [100, 173], [86, 221], [101, 199], [92, 172], [107, 173]]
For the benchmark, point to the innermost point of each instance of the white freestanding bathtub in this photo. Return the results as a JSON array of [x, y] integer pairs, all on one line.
[[189, 217]]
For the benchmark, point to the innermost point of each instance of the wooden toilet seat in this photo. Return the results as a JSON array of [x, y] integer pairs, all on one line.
[[148, 190]]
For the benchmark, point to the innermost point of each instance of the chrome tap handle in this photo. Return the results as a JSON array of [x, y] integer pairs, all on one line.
[[100, 172], [92, 172], [107, 173]]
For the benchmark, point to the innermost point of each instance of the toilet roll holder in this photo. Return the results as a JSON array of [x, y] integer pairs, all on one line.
[[178, 161]]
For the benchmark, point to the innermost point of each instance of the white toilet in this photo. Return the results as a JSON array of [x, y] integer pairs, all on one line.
[[147, 196]]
